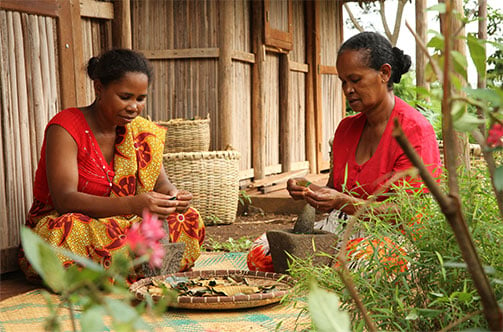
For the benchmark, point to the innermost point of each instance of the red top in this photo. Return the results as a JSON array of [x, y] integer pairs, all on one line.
[[365, 179], [95, 174]]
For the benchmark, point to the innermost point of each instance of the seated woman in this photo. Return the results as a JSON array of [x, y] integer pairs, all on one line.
[[101, 167], [365, 155]]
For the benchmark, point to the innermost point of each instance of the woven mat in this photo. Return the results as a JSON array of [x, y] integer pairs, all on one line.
[[27, 312]]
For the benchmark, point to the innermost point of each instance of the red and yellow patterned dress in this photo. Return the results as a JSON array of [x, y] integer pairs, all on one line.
[[135, 168]]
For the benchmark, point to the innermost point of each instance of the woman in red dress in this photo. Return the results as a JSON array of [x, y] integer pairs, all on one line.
[[101, 167], [364, 153]]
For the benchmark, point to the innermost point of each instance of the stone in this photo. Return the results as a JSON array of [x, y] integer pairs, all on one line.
[[285, 242], [170, 262], [305, 221]]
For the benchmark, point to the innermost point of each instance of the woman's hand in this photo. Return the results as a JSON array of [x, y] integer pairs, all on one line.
[[160, 204], [297, 187], [325, 199], [184, 198]]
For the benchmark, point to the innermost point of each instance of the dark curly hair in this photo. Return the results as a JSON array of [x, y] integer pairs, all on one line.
[[114, 64], [378, 52]]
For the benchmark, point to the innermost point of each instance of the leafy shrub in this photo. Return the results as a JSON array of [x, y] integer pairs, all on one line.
[[436, 290]]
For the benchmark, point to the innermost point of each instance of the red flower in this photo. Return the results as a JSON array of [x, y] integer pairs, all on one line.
[[126, 186], [189, 222], [494, 138]]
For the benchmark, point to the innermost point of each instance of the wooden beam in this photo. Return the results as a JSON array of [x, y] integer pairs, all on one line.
[[226, 35], [299, 67], [97, 9], [187, 53], [71, 70], [243, 56], [258, 96], [121, 25], [310, 140], [36, 7], [327, 70], [285, 114]]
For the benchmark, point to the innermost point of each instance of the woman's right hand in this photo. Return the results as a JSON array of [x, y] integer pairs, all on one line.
[[297, 187], [160, 204]]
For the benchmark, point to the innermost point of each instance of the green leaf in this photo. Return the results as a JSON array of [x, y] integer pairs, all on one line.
[[325, 312], [440, 8], [43, 259], [121, 312], [92, 319], [460, 64], [53, 270], [498, 178], [489, 96], [478, 53], [467, 122], [436, 42]]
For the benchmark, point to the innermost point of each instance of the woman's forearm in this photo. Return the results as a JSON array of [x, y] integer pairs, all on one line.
[[95, 206]]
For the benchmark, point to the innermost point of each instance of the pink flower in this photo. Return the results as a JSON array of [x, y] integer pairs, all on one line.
[[143, 238], [152, 226], [495, 135]]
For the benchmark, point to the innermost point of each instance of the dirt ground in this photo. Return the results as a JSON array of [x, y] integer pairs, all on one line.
[[250, 227]]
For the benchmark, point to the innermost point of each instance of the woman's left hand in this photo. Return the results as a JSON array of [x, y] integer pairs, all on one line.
[[324, 199], [184, 199]]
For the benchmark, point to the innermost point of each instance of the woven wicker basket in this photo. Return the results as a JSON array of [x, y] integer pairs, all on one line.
[[183, 135], [213, 179]]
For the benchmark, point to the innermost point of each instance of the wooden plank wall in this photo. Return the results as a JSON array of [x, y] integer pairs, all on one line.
[[29, 93], [96, 38], [298, 76], [242, 66], [331, 93], [180, 38]]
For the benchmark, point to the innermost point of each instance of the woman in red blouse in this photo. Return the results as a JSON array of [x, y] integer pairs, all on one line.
[[101, 167], [364, 153]]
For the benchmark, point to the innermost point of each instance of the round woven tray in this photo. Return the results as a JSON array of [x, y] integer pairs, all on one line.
[[283, 283]]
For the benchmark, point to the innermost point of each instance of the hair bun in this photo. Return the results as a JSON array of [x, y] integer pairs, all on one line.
[[403, 63], [91, 67]]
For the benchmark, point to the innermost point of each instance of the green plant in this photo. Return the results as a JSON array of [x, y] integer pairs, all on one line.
[[244, 198], [243, 244], [435, 290]]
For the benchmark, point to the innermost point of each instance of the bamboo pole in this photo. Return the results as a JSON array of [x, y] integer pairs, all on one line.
[[51, 46], [46, 87], [37, 108], [226, 36], [310, 139], [23, 123], [14, 191], [258, 116], [4, 172], [285, 113]]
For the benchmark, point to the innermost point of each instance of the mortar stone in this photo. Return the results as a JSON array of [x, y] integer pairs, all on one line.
[[285, 242]]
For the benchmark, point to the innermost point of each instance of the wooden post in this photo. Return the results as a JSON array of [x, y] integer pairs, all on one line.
[[286, 140], [421, 28], [318, 109], [258, 118], [71, 70], [121, 24], [225, 38], [310, 124], [461, 144]]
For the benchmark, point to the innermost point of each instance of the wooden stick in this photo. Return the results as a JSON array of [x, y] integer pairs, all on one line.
[[451, 208]]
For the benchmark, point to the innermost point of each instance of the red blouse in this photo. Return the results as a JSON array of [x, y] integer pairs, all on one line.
[[95, 174], [388, 159]]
